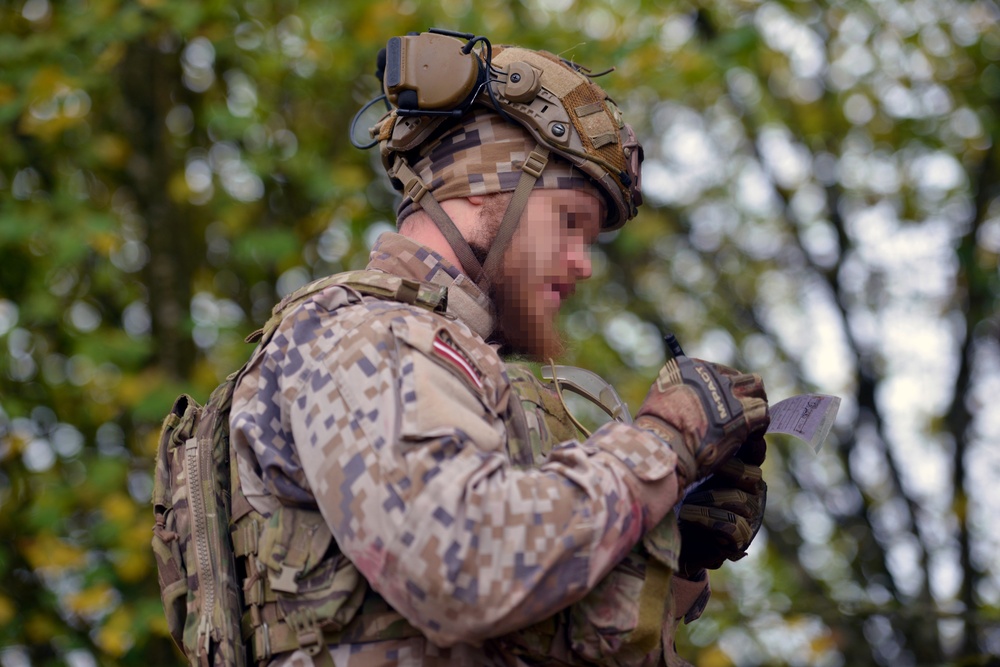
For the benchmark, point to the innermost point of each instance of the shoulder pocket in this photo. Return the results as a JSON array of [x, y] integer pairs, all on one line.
[[443, 391]]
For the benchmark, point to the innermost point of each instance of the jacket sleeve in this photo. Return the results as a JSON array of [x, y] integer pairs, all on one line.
[[401, 439], [629, 619]]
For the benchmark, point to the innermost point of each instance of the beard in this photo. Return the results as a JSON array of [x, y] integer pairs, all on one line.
[[523, 327]]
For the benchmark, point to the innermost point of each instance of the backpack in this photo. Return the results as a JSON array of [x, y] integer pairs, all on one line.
[[192, 506], [196, 495]]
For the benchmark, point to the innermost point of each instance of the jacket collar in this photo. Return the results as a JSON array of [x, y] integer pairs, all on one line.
[[396, 254]]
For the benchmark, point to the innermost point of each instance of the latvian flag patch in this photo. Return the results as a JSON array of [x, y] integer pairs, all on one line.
[[445, 348]]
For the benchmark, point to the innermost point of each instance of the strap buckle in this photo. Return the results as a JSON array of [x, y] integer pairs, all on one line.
[[535, 163], [267, 641], [308, 632], [415, 189], [407, 291], [260, 644]]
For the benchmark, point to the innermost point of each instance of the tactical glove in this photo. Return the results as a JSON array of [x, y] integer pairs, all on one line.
[[704, 412], [719, 519]]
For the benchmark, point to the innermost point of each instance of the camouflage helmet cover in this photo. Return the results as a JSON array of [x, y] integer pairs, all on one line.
[[554, 100]]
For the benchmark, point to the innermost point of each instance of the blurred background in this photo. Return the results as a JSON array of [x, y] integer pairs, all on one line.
[[822, 185]]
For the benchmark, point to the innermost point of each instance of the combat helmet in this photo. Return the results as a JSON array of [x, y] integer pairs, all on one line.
[[433, 79]]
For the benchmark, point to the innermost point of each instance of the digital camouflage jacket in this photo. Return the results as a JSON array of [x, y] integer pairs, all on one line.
[[401, 426]]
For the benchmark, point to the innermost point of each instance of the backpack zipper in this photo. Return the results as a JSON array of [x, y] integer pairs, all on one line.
[[196, 500]]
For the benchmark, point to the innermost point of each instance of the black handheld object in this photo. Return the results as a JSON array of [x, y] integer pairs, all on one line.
[[673, 345]]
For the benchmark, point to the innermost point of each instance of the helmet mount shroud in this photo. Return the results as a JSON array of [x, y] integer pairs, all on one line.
[[432, 79]]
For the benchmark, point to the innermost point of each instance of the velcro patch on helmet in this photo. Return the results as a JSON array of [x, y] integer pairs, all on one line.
[[555, 76], [597, 124]]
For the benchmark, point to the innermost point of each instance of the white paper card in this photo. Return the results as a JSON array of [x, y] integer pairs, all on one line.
[[808, 417]]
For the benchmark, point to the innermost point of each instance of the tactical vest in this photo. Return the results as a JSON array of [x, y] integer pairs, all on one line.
[[299, 591]]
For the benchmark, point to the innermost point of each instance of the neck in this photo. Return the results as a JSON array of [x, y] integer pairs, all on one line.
[[419, 226]]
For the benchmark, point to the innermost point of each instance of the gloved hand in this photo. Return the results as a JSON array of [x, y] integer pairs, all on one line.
[[704, 412], [720, 518]]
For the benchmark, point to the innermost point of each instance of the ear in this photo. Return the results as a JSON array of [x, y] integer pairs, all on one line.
[[476, 200]]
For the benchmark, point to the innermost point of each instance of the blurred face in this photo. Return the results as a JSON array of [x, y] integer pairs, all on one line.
[[549, 253]]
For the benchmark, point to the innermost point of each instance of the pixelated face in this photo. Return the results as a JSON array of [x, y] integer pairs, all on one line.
[[549, 253]]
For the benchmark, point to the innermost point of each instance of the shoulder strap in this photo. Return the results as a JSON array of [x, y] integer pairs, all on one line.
[[372, 283]]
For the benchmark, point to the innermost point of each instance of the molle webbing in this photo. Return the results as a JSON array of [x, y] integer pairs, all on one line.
[[535, 423], [302, 593]]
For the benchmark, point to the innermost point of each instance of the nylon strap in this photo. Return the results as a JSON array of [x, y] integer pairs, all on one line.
[[530, 171], [268, 640], [373, 283], [416, 190], [653, 600]]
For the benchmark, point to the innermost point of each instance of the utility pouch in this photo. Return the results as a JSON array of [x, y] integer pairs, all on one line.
[[306, 570]]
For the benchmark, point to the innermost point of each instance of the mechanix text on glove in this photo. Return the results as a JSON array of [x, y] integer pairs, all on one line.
[[704, 411]]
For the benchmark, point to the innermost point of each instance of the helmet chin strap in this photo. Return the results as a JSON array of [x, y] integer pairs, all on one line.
[[481, 274], [418, 192], [530, 171]]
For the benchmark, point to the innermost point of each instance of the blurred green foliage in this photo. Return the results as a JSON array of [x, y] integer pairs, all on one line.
[[822, 193]]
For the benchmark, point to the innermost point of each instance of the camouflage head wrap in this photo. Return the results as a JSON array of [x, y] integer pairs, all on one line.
[[483, 154]]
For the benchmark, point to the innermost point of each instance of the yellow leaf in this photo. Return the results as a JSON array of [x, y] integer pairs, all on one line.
[[7, 93], [40, 629], [110, 57], [119, 508], [90, 601], [115, 636], [47, 82], [46, 129], [713, 656], [823, 644], [11, 445], [48, 551], [111, 150], [178, 187], [134, 562], [133, 566], [134, 388], [103, 243], [46, 91], [158, 626], [150, 442], [349, 177], [7, 610]]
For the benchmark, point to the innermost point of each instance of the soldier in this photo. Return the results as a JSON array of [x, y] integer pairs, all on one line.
[[412, 498]]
